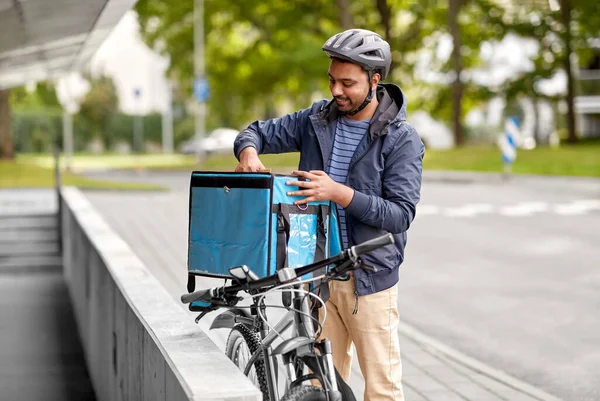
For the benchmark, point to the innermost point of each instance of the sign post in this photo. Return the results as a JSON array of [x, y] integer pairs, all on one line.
[[138, 127], [201, 89]]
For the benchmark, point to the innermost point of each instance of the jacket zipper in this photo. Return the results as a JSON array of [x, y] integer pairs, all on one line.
[[355, 311]]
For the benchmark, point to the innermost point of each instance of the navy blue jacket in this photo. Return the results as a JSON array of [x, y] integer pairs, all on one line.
[[385, 173]]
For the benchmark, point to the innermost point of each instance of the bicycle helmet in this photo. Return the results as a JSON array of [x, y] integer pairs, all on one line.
[[361, 47], [364, 48]]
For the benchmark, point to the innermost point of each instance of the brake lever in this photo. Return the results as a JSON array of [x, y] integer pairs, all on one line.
[[200, 316], [368, 267]]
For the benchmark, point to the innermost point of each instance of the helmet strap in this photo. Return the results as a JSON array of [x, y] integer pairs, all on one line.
[[368, 98]]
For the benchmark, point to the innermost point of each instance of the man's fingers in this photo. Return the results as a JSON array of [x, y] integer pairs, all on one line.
[[304, 174], [244, 168], [305, 200], [305, 192], [299, 184]]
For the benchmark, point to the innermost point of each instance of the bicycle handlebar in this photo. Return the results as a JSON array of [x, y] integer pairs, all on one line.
[[352, 253], [373, 244], [200, 295]]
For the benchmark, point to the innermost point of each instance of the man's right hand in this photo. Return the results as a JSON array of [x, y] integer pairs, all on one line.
[[249, 161]]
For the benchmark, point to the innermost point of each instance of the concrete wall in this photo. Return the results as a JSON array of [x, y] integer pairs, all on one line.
[[139, 343]]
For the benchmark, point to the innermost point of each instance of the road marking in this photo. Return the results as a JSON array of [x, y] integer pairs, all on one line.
[[577, 208], [469, 210], [521, 209], [423, 210], [524, 209]]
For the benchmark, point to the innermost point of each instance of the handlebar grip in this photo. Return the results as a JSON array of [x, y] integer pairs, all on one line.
[[201, 295], [374, 243]]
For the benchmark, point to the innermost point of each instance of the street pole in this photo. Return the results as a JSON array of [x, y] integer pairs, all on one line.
[[200, 75], [167, 123], [67, 136], [138, 134], [68, 109]]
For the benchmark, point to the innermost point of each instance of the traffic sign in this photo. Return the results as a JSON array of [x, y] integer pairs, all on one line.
[[201, 89], [508, 142]]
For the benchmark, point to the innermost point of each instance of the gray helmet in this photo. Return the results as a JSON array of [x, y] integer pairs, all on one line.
[[361, 47]]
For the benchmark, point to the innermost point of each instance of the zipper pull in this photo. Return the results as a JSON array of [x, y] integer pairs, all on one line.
[[355, 311]]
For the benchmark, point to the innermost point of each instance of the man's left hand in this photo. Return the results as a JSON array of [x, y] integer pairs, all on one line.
[[320, 187]]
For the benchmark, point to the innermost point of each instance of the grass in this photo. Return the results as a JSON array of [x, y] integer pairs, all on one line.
[[19, 174], [566, 160], [582, 159], [84, 161]]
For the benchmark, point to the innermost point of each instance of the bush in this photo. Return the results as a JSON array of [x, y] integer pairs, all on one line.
[[37, 131]]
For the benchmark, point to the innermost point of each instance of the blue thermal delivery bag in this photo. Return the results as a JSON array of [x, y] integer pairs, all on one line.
[[248, 219]]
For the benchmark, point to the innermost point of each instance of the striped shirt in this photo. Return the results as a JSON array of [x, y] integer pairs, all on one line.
[[348, 134]]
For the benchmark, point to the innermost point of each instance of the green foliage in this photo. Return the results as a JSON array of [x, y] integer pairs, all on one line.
[[36, 130], [545, 27], [260, 52], [99, 104], [43, 96]]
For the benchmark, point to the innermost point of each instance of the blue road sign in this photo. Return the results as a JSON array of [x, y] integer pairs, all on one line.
[[508, 143], [201, 89]]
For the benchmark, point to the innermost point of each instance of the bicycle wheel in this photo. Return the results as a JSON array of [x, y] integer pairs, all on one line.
[[241, 344], [305, 393]]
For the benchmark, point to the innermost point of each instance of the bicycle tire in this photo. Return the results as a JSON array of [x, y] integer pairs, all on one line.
[[305, 393], [238, 335]]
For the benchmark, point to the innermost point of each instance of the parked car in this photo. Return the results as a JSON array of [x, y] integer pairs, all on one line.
[[218, 141]]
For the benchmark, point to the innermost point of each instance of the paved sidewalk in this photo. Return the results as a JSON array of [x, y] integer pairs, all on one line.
[[155, 226], [435, 372]]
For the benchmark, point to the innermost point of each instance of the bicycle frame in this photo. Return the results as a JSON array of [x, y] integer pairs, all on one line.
[[303, 342], [300, 344]]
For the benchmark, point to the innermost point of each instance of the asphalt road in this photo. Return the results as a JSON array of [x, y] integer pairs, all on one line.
[[508, 273]]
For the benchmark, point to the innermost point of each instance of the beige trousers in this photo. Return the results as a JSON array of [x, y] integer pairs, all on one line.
[[374, 332]]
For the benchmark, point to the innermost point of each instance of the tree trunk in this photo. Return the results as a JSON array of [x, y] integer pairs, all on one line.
[[385, 16], [6, 142], [536, 121], [345, 14], [457, 86], [565, 10]]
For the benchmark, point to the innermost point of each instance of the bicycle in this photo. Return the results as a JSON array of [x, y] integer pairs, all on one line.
[[251, 331]]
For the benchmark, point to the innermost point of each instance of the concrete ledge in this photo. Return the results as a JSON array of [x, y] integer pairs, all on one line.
[[138, 343]]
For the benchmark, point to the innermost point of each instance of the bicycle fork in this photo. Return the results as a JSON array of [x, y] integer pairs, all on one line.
[[324, 348]]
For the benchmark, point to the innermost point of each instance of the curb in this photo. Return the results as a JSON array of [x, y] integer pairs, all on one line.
[[499, 178], [475, 365]]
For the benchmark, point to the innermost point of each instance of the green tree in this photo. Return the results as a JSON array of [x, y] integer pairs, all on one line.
[[42, 98], [6, 142], [258, 52], [561, 32], [98, 105]]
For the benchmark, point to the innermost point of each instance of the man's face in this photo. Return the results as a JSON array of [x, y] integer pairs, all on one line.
[[349, 85]]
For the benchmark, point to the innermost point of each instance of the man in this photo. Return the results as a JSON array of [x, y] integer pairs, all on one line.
[[358, 151]]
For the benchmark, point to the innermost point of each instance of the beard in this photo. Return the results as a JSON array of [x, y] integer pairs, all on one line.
[[344, 104]]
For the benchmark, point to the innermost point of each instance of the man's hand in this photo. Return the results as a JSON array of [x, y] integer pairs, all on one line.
[[320, 187], [249, 161]]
